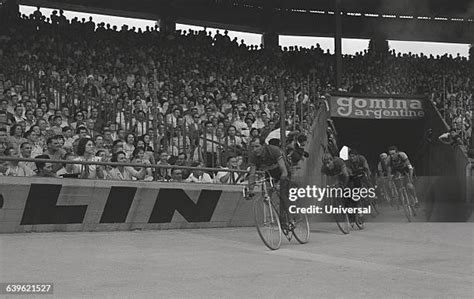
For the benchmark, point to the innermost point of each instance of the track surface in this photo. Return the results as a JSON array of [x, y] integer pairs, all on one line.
[[385, 260]]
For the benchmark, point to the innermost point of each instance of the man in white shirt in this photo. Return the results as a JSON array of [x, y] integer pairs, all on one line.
[[172, 119], [240, 124], [232, 141], [16, 168], [199, 176], [225, 177], [19, 114], [25, 152], [451, 138]]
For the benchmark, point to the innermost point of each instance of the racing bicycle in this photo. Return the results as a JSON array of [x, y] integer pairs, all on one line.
[[360, 181], [270, 224], [387, 190], [406, 200], [344, 220]]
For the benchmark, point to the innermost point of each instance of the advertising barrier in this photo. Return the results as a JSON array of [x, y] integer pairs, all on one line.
[[38, 205], [376, 108]]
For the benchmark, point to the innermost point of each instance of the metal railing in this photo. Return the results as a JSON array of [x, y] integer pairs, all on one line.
[[167, 134], [134, 165]]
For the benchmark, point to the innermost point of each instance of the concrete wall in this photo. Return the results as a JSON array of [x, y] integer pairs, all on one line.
[[443, 183], [38, 204], [310, 171]]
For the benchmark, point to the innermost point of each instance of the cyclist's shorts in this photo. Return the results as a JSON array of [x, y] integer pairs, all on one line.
[[274, 173]]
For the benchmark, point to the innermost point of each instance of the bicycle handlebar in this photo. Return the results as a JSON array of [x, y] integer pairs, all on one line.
[[246, 191]]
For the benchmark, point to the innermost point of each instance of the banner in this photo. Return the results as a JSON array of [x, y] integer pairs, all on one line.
[[45, 204], [376, 108]]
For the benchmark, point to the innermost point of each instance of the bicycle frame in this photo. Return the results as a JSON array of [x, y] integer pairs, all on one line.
[[273, 215], [268, 196], [403, 196]]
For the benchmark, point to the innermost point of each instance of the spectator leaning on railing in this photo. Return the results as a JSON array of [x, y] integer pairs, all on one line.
[[124, 173], [199, 176], [15, 168], [451, 138], [45, 169]]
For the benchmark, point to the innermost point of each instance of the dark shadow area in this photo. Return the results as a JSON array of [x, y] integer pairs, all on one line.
[[372, 137], [441, 169]]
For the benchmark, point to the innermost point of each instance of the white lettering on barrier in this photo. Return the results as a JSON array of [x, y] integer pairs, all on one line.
[[378, 108]]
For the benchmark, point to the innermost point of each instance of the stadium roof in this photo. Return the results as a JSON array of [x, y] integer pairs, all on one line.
[[421, 20]]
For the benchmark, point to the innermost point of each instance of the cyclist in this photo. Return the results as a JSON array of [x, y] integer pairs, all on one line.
[[335, 169], [338, 176], [382, 166], [399, 163], [269, 158], [382, 174], [358, 169]]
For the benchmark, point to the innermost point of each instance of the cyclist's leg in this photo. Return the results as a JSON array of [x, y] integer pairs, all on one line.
[[385, 187], [365, 182], [392, 189], [354, 182], [411, 189]]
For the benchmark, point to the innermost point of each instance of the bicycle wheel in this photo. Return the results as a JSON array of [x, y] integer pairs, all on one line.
[[300, 227], [342, 218], [386, 195], [411, 203], [394, 194], [405, 204], [267, 222], [374, 207]]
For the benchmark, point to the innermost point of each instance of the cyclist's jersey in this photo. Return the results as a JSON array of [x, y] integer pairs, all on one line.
[[339, 169], [268, 160], [400, 163], [359, 166]]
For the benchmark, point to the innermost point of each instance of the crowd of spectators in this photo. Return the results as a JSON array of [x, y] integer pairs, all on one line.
[[80, 91], [76, 90], [457, 109], [446, 80]]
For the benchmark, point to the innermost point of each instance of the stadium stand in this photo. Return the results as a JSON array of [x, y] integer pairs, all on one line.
[[186, 98]]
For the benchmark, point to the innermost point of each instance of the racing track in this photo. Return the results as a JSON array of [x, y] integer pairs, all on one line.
[[387, 259]]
